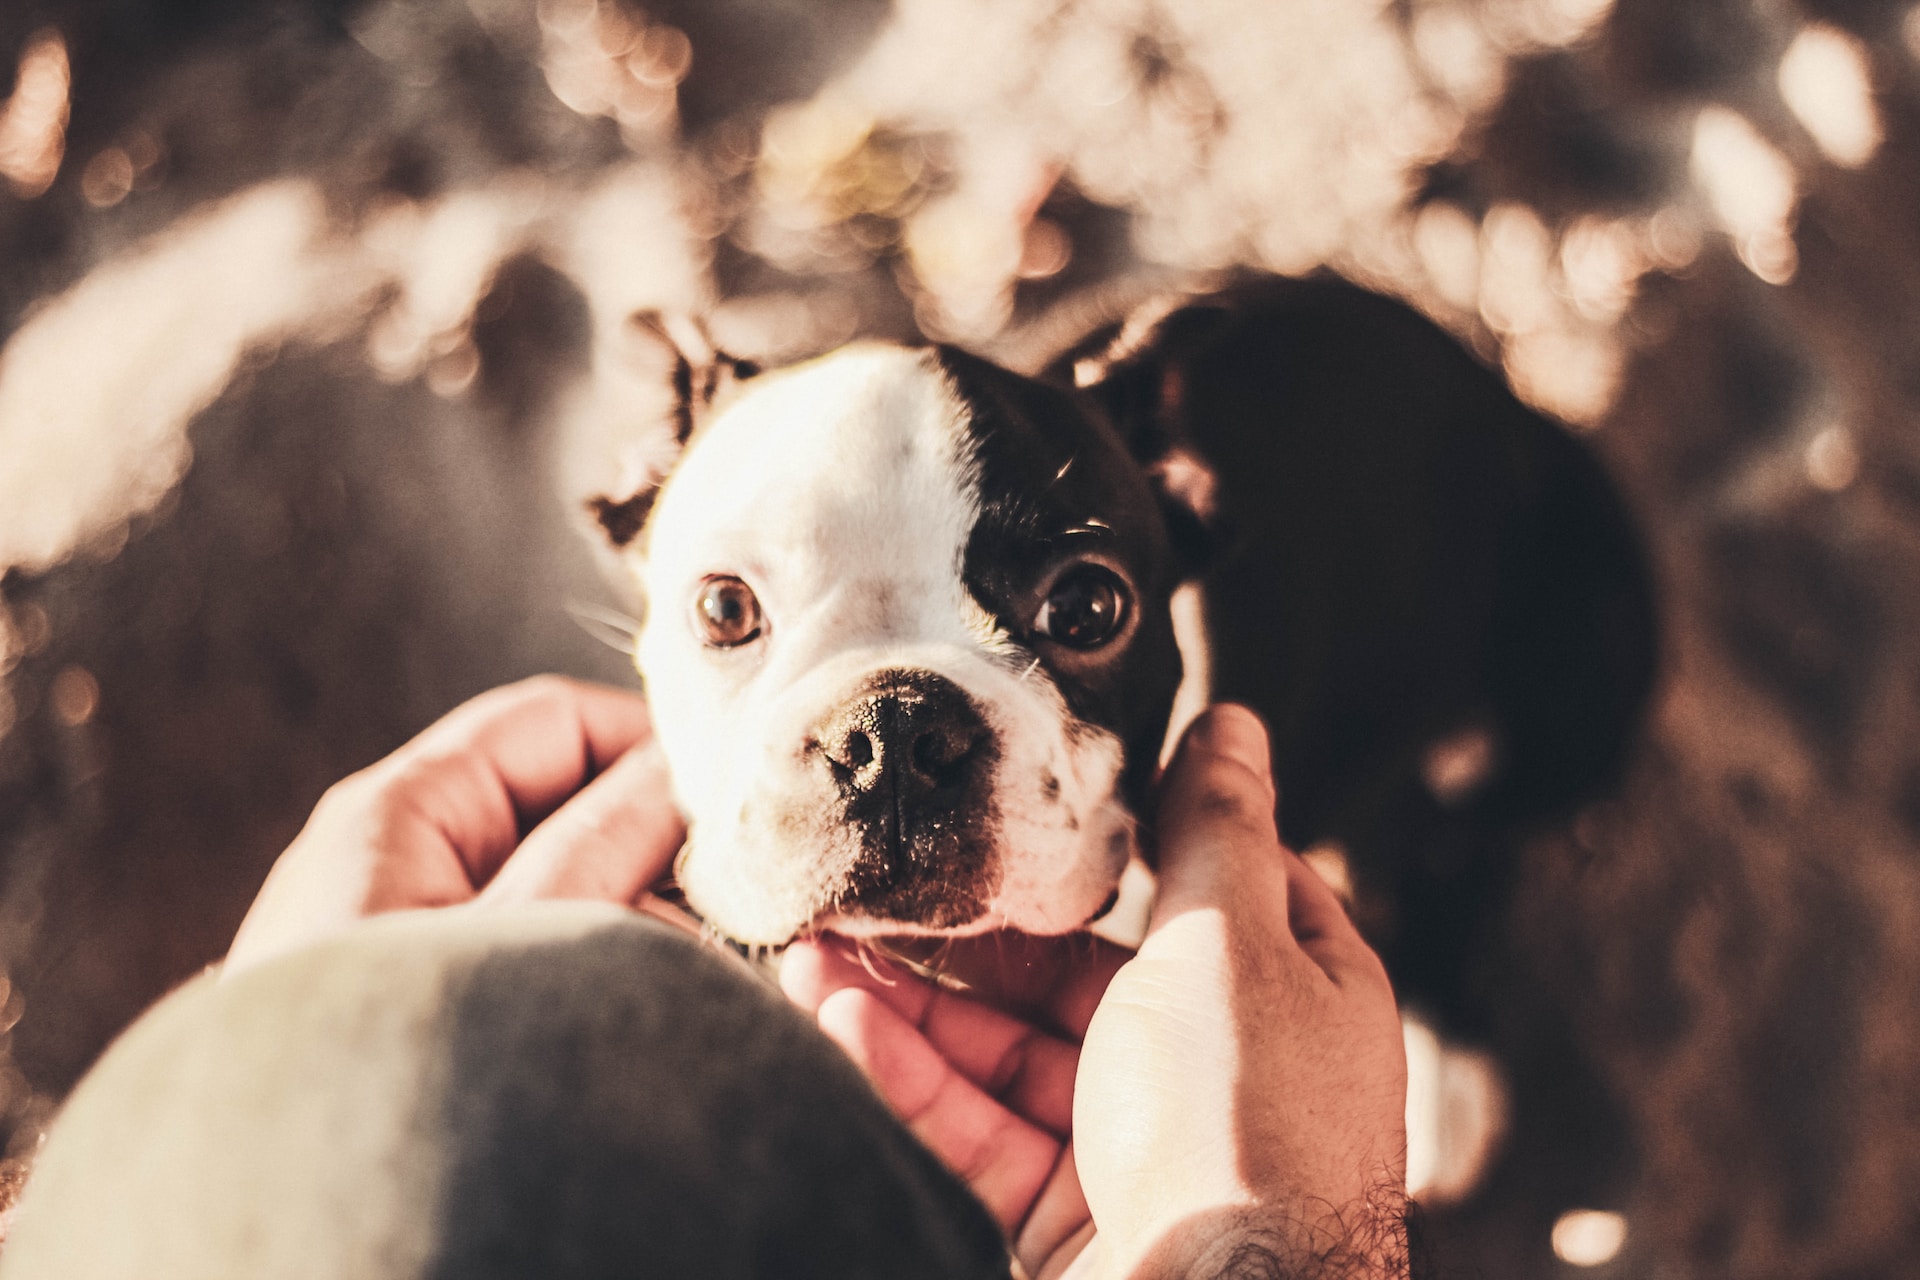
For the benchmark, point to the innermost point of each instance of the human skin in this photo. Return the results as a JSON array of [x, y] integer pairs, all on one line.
[[548, 788], [1229, 1101]]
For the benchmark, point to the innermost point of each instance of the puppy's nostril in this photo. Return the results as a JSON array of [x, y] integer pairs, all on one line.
[[859, 750], [850, 754], [938, 751]]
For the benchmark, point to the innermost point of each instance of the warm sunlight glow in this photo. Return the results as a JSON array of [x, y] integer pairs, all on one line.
[[33, 122], [1751, 188], [1824, 79], [1456, 1115], [104, 430], [1833, 460], [1588, 1237]]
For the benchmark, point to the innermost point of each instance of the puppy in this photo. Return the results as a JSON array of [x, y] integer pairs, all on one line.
[[908, 640], [907, 644]]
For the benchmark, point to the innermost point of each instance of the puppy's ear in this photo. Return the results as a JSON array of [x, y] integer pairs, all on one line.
[[698, 372], [623, 518], [701, 371], [1135, 370]]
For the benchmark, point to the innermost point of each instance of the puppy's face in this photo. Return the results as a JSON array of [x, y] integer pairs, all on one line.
[[908, 650]]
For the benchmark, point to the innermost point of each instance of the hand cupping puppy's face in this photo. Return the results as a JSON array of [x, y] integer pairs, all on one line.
[[907, 648]]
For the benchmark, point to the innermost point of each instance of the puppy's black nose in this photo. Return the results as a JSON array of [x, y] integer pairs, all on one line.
[[907, 762], [906, 737]]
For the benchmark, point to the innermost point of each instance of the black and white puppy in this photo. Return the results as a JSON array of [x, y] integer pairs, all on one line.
[[908, 638], [907, 645]]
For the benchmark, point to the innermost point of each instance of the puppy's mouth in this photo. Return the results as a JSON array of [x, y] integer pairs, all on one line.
[[918, 936]]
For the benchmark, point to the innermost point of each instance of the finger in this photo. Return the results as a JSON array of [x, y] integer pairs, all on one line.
[[1324, 930], [1058, 1214], [612, 841], [1215, 830], [1009, 1058], [1005, 1160], [1055, 981], [814, 968], [496, 765]]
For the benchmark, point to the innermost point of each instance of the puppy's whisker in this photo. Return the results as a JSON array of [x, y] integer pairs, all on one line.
[[1031, 668], [1065, 467], [609, 626], [870, 956], [936, 961]]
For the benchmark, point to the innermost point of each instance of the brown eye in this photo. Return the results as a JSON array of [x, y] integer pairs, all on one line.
[[726, 612], [1084, 608]]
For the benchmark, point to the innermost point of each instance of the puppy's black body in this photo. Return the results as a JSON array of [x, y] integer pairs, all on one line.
[[1402, 552]]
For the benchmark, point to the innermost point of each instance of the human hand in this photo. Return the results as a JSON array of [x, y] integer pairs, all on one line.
[[548, 788], [1234, 1094]]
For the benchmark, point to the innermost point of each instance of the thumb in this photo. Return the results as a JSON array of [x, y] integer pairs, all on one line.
[[612, 841], [1214, 828]]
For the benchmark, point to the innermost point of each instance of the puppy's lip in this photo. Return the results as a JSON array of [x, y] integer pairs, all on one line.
[[877, 929], [917, 949], [1113, 900]]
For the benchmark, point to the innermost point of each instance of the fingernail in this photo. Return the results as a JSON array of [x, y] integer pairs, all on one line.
[[1233, 731]]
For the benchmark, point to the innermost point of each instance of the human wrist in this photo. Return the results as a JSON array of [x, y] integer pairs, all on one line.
[[1375, 1239]]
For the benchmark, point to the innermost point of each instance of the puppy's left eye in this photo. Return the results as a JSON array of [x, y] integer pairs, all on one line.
[[1084, 608], [726, 612]]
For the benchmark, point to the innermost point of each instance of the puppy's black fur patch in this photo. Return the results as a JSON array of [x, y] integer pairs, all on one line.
[[1057, 481], [1403, 549]]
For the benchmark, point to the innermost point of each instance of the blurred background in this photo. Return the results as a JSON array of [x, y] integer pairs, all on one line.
[[316, 334]]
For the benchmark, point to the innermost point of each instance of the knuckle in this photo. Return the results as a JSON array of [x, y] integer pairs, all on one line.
[[543, 688], [549, 684], [1011, 1067], [365, 790], [529, 690], [1226, 801]]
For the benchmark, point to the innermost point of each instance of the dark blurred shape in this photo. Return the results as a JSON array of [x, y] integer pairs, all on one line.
[[1804, 624], [1547, 145], [1696, 48], [752, 54], [1406, 551], [531, 332]]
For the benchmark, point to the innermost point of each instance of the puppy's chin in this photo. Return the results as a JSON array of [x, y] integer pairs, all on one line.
[[1055, 919], [781, 899]]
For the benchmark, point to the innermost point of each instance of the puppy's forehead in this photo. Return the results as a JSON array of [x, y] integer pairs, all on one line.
[[925, 474], [1053, 481], [864, 452]]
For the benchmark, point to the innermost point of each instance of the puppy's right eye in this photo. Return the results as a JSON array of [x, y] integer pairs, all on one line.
[[726, 613], [1085, 608]]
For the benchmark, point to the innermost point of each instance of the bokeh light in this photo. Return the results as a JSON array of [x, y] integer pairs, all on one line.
[[33, 121]]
